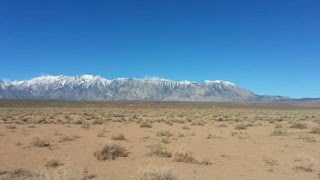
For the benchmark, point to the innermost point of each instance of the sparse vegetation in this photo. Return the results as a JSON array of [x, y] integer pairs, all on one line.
[[40, 142], [151, 173], [315, 130], [297, 125], [279, 133], [251, 134], [119, 137], [111, 151], [53, 164], [11, 126], [164, 133], [145, 124], [184, 156], [160, 151]]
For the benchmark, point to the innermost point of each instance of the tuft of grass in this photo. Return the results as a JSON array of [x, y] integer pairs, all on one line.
[[40, 142], [86, 175], [164, 133], [270, 163], [85, 125], [165, 140], [152, 173], [11, 126], [315, 130], [205, 162], [297, 125], [304, 164], [307, 138], [119, 137], [279, 133], [160, 151], [31, 126], [145, 124], [100, 134], [184, 157], [241, 126], [53, 164], [68, 138], [111, 151]]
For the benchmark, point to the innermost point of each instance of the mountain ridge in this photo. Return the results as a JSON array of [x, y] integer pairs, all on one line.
[[90, 87]]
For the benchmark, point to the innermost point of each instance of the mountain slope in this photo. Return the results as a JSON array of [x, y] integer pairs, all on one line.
[[88, 87]]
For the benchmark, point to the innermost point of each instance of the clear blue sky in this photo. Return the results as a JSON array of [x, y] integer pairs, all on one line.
[[270, 47]]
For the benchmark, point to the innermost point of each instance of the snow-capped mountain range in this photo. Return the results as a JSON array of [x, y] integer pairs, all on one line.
[[89, 87]]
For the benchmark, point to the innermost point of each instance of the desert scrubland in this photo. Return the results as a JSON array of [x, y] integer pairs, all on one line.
[[158, 140]]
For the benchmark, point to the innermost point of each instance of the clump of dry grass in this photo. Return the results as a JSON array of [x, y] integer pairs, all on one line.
[[307, 138], [100, 134], [270, 163], [145, 124], [186, 127], [205, 162], [315, 130], [151, 173], [187, 157], [304, 164], [298, 125], [20, 174], [279, 133], [40, 142], [164, 133], [111, 151], [165, 140], [11, 126], [68, 138], [184, 156], [160, 151], [86, 175], [53, 164], [242, 126], [85, 126], [119, 137]]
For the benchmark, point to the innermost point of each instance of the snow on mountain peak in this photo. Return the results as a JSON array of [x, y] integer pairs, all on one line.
[[219, 82]]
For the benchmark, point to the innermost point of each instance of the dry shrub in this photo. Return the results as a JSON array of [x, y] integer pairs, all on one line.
[[85, 125], [164, 133], [119, 137], [86, 175], [297, 125], [165, 140], [151, 173], [20, 174], [315, 130], [184, 156], [242, 126], [304, 164], [111, 151], [53, 164], [40, 142], [68, 138], [279, 133], [160, 151], [145, 124], [11, 126]]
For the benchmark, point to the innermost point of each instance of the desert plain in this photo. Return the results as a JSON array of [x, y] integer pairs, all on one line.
[[158, 140]]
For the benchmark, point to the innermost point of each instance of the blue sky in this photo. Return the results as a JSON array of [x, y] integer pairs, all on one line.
[[269, 47]]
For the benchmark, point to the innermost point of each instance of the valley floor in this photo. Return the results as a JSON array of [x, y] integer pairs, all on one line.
[[63, 140]]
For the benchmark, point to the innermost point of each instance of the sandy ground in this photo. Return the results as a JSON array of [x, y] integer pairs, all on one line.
[[211, 132]]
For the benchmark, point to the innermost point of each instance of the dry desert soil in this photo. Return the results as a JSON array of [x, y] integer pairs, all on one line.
[[158, 140]]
